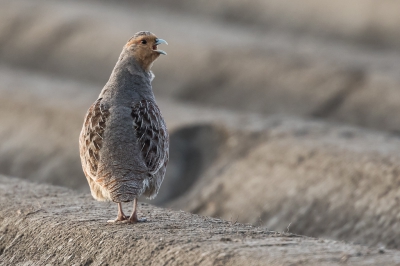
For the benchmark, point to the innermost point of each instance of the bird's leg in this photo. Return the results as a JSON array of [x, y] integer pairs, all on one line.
[[134, 218], [121, 216]]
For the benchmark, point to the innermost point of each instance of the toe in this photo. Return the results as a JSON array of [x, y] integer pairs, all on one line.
[[118, 219], [136, 220]]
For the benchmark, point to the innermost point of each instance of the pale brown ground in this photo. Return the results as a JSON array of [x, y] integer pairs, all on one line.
[[42, 225]]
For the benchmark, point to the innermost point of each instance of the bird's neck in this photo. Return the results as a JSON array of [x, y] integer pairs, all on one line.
[[128, 81]]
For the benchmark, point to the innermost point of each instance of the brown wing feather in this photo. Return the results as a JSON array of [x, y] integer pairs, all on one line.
[[91, 138], [151, 133]]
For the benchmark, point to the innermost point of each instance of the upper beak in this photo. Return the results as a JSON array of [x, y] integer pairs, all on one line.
[[160, 41]]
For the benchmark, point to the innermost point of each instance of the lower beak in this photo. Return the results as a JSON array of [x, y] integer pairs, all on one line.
[[160, 41]]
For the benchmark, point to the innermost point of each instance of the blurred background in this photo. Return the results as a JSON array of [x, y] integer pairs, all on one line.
[[282, 114]]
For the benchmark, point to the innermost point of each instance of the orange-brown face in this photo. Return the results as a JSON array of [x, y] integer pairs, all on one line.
[[144, 46]]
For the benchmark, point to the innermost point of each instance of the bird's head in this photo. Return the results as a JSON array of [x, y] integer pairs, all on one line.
[[143, 46]]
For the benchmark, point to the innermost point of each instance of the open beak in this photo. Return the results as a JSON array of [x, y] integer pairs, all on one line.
[[159, 41]]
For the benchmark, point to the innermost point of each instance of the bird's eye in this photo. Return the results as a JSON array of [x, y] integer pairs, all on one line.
[[144, 41]]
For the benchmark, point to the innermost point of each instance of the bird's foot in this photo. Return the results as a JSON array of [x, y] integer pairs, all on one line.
[[133, 220], [121, 218]]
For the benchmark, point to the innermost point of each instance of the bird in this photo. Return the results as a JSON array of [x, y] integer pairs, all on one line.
[[124, 141]]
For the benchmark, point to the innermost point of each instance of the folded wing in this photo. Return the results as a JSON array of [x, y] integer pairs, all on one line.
[[152, 134], [91, 138]]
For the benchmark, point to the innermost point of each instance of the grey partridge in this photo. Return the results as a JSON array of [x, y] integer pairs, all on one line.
[[124, 141]]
